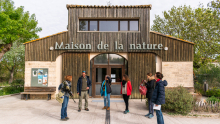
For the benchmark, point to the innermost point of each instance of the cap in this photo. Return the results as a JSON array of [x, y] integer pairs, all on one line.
[[83, 71]]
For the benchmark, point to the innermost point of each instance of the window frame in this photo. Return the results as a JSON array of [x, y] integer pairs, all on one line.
[[98, 27]]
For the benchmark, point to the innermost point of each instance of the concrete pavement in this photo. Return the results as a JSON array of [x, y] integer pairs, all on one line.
[[16, 111]]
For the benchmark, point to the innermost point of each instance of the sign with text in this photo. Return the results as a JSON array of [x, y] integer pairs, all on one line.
[[102, 46]]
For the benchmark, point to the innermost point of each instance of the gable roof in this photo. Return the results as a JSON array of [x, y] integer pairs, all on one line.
[[173, 37], [45, 37], [105, 6], [150, 31]]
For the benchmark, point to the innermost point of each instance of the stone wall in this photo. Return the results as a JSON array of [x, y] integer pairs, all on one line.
[[178, 73], [39, 64]]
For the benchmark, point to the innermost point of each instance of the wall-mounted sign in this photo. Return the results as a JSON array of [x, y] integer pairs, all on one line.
[[39, 77], [103, 46], [112, 75]]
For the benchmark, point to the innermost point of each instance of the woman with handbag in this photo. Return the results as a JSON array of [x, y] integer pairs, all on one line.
[[126, 89], [65, 88], [106, 91]]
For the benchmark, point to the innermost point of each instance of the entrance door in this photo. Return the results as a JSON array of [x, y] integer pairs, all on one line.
[[107, 64]]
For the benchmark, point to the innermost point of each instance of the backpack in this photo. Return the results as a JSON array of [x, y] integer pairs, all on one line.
[[142, 89]]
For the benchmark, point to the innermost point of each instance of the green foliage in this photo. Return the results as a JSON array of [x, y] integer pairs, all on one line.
[[18, 82], [11, 90], [213, 92], [213, 99], [178, 100], [210, 74], [200, 26], [199, 88], [16, 25]]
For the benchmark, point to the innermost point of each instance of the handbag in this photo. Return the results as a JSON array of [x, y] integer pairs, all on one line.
[[60, 97]]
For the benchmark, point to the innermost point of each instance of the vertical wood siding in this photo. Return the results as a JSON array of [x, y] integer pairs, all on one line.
[[74, 64], [139, 64]]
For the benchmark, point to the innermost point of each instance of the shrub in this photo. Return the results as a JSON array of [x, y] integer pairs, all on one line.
[[178, 101], [213, 99], [18, 82], [213, 92]]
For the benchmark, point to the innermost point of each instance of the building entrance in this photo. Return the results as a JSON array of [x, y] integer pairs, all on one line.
[[108, 64]]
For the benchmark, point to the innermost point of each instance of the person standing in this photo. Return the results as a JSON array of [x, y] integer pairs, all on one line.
[[126, 89], [83, 85], [106, 91], [158, 97], [150, 89], [65, 88]]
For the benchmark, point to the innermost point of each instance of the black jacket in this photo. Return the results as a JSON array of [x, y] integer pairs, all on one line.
[[108, 85], [150, 87], [79, 84], [159, 93]]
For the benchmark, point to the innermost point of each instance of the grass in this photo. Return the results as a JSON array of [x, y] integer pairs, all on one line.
[[4, 84]]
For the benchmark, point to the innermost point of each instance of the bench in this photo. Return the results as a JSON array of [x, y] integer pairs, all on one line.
[[39, 90]]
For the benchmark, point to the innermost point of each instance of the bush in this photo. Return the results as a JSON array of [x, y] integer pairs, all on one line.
[[213, 92], [178, 101], [18, 82], [213, 99], [11, 90]]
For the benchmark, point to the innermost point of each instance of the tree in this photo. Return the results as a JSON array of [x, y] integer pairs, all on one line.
[[15, 26], [200, 26], [13, 60]]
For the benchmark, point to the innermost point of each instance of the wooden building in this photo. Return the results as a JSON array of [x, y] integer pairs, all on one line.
[[113, 40]]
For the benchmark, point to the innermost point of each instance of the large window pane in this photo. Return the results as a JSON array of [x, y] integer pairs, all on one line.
[[100, 74], [123, 25], [116, 74], [93, 25], [101, 59], [108, 25], [115, 59], [133, 25], [83, 25]]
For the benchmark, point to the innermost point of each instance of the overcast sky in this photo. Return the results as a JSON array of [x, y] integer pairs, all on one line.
[[52, 15]]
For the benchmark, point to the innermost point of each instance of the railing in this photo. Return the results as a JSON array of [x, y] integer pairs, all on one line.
[[207, 106]]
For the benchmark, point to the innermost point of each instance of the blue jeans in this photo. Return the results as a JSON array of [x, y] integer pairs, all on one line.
[[150, 105], [64, 107], [159, 117], [108, 99]]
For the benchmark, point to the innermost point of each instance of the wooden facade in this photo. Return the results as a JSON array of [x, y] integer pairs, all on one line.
[[139, 64], [178, 50], [74, 64]]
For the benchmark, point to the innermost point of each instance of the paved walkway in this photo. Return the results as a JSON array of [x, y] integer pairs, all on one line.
[[16, 111]]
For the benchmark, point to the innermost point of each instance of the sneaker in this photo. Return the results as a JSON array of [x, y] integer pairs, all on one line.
[[151, 116], [64, 119], [108, 108], [79, 110], [147, 115], [87, 109], [104, 107], [125, 112], [67, 118]]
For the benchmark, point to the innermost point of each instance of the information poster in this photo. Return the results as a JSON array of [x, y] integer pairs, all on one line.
[[35, 73], [112, 75], [40, 76], [45, 79], [113, 80]]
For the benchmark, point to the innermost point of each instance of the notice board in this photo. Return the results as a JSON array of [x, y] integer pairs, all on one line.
[[39, 77]]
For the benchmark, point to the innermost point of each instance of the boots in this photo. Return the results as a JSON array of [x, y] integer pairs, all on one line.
[[108, 108], [104, 107]]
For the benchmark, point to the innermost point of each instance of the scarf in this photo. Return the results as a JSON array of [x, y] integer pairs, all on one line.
[[123, 83], [158, 80]]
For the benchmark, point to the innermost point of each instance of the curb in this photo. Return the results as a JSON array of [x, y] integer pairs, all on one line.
[[9, 95]]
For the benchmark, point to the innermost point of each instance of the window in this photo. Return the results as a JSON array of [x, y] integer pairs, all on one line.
[[83, 25], [109, 25], [93, 25], [133, 25]]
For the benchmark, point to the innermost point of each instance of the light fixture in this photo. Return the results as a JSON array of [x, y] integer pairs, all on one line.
[[51, 48], [165, 48]]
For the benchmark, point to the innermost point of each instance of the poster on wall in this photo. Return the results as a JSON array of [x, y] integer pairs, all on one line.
[[45, 79], [112, 75], [113, 80], [40, 76], [35, 73]]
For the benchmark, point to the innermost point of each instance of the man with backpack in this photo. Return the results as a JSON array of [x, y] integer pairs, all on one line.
[[150, 84]]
